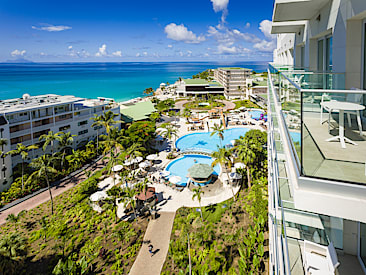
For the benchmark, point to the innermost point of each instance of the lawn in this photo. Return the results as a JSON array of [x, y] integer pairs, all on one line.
[[81, 237], [195, 105], [245, 103]]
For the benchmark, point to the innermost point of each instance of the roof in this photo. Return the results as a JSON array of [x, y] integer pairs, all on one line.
[[143, 196], [200, 81], [138, 111], [200, 170], [235, 68]]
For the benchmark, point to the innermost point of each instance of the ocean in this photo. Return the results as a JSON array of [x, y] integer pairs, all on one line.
[[121, 81]]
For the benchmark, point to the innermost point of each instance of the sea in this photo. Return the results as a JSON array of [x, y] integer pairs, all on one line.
[[121, 81]]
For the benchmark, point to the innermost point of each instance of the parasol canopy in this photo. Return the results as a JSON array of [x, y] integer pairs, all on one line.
[[117, 168], [200, 170], [144, 164], [239, 165], [97, 196], [152, 157], [175, 179]]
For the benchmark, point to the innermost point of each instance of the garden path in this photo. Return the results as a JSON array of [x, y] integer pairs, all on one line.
[[44, 196], [157, 234]]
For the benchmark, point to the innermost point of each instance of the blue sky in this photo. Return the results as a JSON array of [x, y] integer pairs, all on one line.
[[138, 30]]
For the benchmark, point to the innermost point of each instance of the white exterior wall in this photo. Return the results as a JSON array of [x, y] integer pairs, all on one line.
[[284, 54]]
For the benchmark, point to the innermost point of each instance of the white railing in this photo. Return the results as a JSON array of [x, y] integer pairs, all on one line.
[[196, 151]]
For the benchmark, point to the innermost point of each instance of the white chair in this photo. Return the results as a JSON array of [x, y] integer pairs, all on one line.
[[353, 98], [319, 259]]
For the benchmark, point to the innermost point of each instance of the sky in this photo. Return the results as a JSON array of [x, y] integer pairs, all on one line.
[[137, 30]]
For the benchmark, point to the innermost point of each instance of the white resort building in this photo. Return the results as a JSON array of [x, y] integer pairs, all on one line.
[[316, 138], [233, 80], [24, 120], [198, 87]]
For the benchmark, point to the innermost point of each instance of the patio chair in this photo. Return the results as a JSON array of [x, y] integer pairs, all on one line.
[[353, 98]]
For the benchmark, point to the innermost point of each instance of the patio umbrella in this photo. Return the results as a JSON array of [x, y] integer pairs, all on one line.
[[165, 173], [137, 160], [97, 196], [235, 176], [242, 108], [232, 142], [200, 170], [144, 164], [128, 163], [175, 179], [117, 168], [239, 165], [160, 130], [152, 157]]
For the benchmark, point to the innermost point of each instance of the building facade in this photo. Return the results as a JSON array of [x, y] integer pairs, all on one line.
[[25, 120], [233, 80], [198, 87], [316, 144]]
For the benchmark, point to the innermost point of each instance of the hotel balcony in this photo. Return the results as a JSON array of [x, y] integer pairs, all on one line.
[[313, 176], [291, 10]]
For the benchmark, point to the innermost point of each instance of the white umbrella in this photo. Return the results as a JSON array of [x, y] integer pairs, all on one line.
[[239, 165], [235, 176], [152, 157], [97, 196], [159, 130], [128, 163], [165, 173], [175, 179], [232, 142], [117, 168], [144, 164], [137, 160], [174, 122], [242, 108]]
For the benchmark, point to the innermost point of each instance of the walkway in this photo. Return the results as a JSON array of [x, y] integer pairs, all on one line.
[[44, 196], [228, 104], [157, 234]]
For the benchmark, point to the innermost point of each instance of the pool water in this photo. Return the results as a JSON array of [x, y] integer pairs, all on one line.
[[208, 143], [256, 114], [295, 136], [179, 167]]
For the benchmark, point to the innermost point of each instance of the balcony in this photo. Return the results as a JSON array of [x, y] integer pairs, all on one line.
[[291, 10], [328, 145]]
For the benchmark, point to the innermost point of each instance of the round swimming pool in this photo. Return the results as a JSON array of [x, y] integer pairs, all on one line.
[[207, 143], [179, 167]]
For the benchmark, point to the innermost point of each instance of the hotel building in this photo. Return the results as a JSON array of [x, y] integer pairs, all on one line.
[[24, 120], [316, 138], [198, 87], [233, 80]]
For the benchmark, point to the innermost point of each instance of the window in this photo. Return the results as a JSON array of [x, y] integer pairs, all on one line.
[[64, 128], [97, 127], [83, 132], [364, 55], [328, 53], [320, 55], [363, 242], [84, 122]]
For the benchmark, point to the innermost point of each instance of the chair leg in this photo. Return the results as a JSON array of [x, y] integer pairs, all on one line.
[[359, 122], [349, 120], [321, 115], [329, 112]]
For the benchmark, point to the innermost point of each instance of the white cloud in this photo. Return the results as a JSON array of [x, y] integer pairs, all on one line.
[[170, 46], [265, 46], [181, 33], [206, 55], [221, 5], [247, 25], [144, 53], [265, 26], [69, 47], [138, 55], [189, 53], [76, 53], [102, 51], [18, 53], [236, 50], [181, 53], [52, 28], [117, 53]]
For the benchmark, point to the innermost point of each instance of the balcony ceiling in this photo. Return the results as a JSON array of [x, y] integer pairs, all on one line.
[[290, 10], [287, 27]]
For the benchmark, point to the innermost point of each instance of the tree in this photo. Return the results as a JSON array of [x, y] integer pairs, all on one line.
[[49, 138], [65, 141], [155, 116], [246, 149], [98, 123], [149, 91], [197, 193], [43, 169], [107, 120], [129, 198], [15, 218], [222, 156], [219, 131], [169, 132], [114, 194], [13, 248], [76, 158], [23, 152]]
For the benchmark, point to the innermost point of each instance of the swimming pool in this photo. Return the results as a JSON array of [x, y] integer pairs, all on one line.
[[204, 142], [295, 136], [256, 114], [179, 167]]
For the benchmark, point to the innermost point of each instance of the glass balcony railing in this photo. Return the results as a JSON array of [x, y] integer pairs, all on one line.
[[325, 125]]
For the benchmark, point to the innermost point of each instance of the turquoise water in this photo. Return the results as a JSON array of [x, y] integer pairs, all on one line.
[[256, 114], [206, 142], [121, 81], [179, 167], [295, 136]]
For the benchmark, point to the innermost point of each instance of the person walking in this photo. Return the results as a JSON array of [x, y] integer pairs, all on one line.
[[151, 249]]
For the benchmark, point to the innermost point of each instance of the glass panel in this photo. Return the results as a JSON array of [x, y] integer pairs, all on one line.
[[334, 229], [364, 56], [320, 56], [302, 56], [329, 53], [363, 242]]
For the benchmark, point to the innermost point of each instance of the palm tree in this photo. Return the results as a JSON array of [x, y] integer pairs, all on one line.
[[135, 151], [246, 149], [76, 158], [114, 194], [13, 218], [12, 249], [107, 120], [169, 132], [49, 138], [66, 140], [222, 157], [98, 123], [130, 194], [22, 150], [149, 91], [219, 131], [43, 169], [197, 193]]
